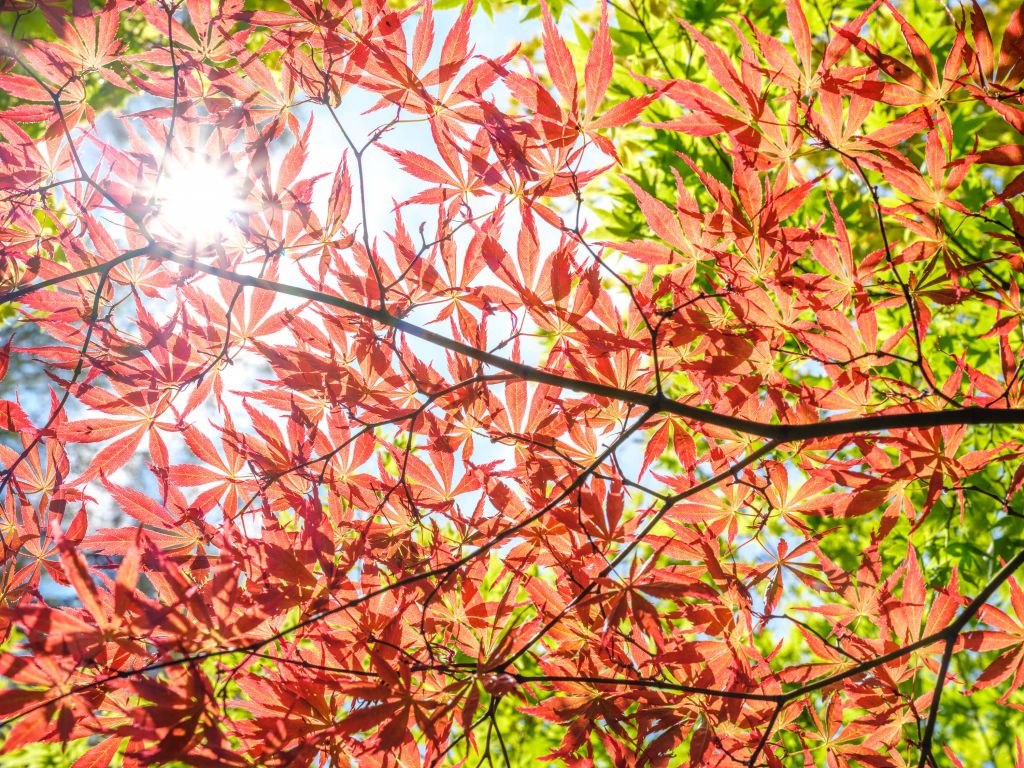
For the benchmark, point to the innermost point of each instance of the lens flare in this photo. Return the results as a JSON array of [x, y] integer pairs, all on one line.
[[199, 201]]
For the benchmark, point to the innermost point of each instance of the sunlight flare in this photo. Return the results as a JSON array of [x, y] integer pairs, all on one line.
[[200, 200]]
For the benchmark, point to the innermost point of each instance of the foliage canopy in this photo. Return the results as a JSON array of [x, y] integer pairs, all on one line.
[[669, 414]]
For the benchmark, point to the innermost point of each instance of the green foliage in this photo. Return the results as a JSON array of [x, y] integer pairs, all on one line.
[[971, 535], [43, 755]]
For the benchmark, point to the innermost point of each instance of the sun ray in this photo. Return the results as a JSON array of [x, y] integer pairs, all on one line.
[[200, 201]]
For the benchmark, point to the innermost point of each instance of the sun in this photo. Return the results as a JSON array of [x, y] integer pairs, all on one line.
[[199, 201]]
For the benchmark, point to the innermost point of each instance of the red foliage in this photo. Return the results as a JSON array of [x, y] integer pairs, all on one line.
[[416, 510]]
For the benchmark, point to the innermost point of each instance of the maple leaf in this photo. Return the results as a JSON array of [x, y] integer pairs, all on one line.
[[1007, 637]]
